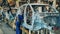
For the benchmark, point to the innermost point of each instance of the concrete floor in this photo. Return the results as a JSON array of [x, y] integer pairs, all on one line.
[[5, 29]]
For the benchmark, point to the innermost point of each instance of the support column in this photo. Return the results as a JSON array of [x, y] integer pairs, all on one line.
[[42, 31], [38, 32], [54, 3], [29, 31], [17, 3], [39, 1], [23, 31], [40, 8], [46, 31], [50, 32]]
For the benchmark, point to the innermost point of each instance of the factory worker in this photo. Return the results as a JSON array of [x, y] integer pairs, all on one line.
[[19, 21], [12, 14], [1, 16], [5, 13]]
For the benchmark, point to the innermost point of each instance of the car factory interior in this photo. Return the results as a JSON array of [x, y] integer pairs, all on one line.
[[29, 16]]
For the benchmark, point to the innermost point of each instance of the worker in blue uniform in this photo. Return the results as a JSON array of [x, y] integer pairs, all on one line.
[[18, 24]]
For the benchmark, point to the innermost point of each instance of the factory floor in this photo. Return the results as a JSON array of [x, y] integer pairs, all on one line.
[[6, 29]]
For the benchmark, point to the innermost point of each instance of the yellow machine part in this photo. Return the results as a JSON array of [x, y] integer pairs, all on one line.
[[11, 2]]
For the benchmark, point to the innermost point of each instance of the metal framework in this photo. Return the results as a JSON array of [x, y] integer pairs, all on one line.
[[39, 23]]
